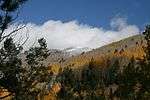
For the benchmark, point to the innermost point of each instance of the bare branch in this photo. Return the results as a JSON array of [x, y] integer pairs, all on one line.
[[18, 12], [3, 29], [20, 39], [6, 36], [27, 37], [1, 98]]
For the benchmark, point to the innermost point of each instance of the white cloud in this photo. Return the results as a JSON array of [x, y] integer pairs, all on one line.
[[62, 35]]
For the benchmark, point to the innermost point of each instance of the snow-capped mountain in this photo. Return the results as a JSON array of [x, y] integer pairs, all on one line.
[[76, 50]]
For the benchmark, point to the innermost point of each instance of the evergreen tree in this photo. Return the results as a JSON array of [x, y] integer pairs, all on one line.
[[92, 81], [67, 80], [135, 79], [145, 65], [24, 79]]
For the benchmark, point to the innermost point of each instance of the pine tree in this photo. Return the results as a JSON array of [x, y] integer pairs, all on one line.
[[68, 83], [135, 79], [21, 80], [145, 65]]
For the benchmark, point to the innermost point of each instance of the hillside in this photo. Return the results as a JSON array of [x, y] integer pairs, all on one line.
[[126, 48]]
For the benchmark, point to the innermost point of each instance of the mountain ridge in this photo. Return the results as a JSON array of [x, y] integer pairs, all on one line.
[[126, 48]]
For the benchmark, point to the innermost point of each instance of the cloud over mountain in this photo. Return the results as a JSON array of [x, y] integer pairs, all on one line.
[[62, 35]]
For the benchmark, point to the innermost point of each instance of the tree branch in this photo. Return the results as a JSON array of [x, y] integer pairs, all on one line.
[[6, 36], [1, 98]]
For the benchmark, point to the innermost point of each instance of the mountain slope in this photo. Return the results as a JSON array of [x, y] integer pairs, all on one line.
[[126, 48]]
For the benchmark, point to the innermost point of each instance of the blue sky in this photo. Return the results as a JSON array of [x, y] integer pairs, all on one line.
[[83, 23], [96, 13]]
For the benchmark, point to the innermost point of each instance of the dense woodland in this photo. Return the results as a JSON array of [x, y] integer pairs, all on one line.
[[92, 82]]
